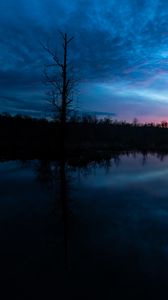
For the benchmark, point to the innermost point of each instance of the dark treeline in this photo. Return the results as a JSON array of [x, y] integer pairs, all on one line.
[[35, 138], [25, 136]]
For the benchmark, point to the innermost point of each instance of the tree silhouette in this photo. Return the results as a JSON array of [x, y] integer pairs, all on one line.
[[61, 83]]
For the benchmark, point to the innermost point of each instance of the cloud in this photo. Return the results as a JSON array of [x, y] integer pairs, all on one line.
[[119, 42]]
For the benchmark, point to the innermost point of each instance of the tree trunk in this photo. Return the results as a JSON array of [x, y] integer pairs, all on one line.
[[64, 100]]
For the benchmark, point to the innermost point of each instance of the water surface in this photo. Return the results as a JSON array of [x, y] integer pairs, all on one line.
[[97, 232]]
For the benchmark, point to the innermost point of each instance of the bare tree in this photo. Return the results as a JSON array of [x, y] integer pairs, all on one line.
[[61, 82]]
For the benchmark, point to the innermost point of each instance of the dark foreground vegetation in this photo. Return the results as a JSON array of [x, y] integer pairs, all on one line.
[[85, 136]]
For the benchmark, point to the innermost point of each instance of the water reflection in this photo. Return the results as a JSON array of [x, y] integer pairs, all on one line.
[[89, 230]]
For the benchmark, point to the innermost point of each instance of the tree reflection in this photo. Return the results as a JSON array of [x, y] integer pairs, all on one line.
[[54, 176], [57, 176]]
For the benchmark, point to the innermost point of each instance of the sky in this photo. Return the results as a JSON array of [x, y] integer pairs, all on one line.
[[119, 53]]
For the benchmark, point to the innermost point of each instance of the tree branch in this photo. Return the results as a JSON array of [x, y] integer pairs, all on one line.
[[54, 56]]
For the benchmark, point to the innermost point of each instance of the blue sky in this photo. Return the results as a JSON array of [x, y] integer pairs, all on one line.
[[120, 54]]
